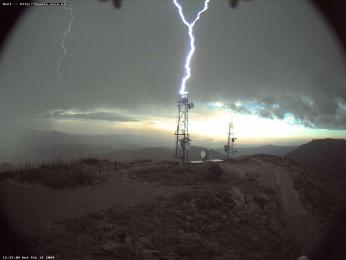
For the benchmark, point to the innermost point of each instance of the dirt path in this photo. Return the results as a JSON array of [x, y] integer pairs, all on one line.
[[290, 197], [262, 172], [30, 208], [300, 222]]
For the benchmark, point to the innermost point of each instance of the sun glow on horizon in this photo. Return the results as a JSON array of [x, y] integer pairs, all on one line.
[[207, 122]]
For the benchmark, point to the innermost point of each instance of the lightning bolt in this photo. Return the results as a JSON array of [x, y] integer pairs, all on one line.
[[68, 30], [190, 26]]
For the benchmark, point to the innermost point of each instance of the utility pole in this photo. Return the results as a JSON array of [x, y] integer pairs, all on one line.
[[230, 137], [230, 141]]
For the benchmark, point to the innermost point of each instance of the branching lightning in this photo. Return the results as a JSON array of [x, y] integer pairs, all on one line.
[[192, 42], [68, 30]]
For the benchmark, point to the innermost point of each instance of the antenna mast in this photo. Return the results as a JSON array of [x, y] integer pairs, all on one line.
[[183, 141], [230, 137]]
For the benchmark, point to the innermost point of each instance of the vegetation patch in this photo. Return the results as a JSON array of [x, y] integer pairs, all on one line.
[[322, 196], [172, 173], [58, 174], [200, 224]]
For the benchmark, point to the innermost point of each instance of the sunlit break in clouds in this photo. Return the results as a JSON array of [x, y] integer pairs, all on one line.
[[190, 27]]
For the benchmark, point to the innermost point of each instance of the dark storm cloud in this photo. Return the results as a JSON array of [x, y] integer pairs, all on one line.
[[286, 65], [279, 54], [308, 112], [240, 109], [104, 116]]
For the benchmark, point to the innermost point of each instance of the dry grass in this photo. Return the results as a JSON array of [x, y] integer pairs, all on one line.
[[204, 224], [322, 196], [57, 174], [172, 173]]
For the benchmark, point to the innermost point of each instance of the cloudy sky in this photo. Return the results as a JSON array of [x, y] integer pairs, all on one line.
[[276, 62]]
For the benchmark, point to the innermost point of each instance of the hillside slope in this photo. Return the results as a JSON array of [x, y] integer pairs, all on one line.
[[245, 209], [265, 149], [325, 157], [323, 189]]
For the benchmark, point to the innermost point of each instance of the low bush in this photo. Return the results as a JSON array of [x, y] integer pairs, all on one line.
[[90, 161], [213, 172], [176, 174], [57, 175], [202, 224]]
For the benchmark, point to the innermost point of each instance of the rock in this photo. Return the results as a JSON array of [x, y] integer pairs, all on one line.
[[264, 219], [215, 214], [118, 250], [122, 236], [105, 226], [188, 237], [111, 247], [238, 198], [144, 242], [261, 199], [150, 254], [169, 256], [253, 206], [303, 257], [254, 238], [236, 220], [128, 242], [214, 227]]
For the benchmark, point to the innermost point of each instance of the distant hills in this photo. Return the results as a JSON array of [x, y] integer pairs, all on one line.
[[265, 149], [323, 156], [38, 146], [117, 141]]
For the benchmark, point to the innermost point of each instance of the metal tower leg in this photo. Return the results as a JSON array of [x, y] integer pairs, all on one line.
[[182, 145]]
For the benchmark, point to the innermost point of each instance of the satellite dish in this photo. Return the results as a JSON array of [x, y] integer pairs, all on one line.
[[204, 155], [191, 105]]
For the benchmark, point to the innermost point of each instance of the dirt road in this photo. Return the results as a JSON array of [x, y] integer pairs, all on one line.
[[300, 222]]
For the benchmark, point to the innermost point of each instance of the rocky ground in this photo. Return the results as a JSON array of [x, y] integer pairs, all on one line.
[[260, 207]]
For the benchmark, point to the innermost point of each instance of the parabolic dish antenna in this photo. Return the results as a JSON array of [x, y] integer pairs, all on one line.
[[204, 155]]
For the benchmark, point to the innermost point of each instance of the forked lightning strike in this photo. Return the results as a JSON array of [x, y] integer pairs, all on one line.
[[68, 30], [192, 42]]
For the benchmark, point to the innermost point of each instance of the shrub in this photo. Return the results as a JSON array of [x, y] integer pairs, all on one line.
[[212, 172], [57, 175], [91, 161], [6, 174]]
